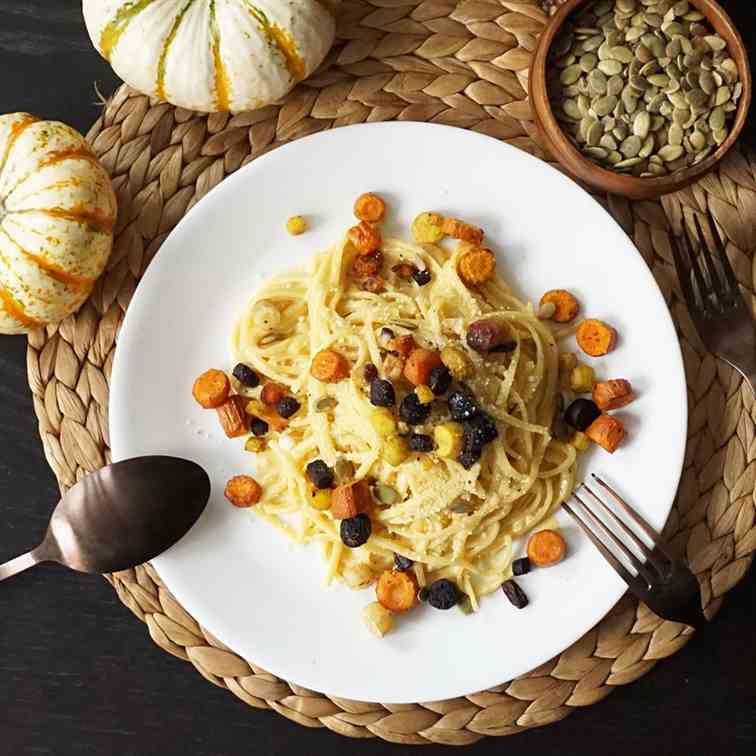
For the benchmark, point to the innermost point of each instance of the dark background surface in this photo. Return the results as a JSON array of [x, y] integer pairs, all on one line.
[[80, 675]]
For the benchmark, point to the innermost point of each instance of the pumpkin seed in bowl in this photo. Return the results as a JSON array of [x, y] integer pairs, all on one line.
[[643, 87]]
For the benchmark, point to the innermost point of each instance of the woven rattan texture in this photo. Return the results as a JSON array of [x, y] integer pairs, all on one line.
[[463, 64]]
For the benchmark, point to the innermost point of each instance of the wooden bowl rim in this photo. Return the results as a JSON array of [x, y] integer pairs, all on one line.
[[592, 172]]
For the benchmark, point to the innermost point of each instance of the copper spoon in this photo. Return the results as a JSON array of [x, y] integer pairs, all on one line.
[[121, 516]]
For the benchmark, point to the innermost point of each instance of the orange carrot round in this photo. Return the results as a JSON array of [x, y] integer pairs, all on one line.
[[596, 338], [211, 389], [369, 207], [546, 547], [566, 305], [329, 366]]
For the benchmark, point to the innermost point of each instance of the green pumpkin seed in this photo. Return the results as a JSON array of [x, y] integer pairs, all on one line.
[[657, 122], [593, 43], [615, 85], [630, 147], [629, 162], [697, 98], [608, 142], [570, 74], [659, 80], [596, 152], [588, 62], [648, 147], [717, 119], [570, 107], [670, 152], [604, 105], [641, 124], [594, 134], [675, 134], [680, 8], [715, 42], [597, 81], [619, 132], [610, 67], [673, 28], [634, 34], [706, 82], [697, 141]]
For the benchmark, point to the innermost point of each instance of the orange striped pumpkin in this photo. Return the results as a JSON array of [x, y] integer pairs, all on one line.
[[57, 212], [212, 55]]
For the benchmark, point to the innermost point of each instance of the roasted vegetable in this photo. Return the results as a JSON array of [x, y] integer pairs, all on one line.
[[272, 393], [243, 491], [402, 345], [458, 229], [596, 338], [211, 389], [369, 207], [606, 431], [350, 499], [581, 379], [296, 225], [611, 395], [566, 307], [476, 266], [419, 365], [329, 366], [546, 547], [365, 266], [365, 237], [457, 362], [427, 228], [232, 416], [378, 619], [396, 591]]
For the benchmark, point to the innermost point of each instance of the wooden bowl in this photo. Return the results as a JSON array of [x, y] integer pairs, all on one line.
[[613, 182]]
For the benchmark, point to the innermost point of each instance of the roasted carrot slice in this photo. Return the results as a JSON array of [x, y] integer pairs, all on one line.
[[402, 345], [546, 547], [396, 591], [365, 237], [607, 432], [596, 338], [476, 266], [350, 500], [211, 389], [243, 491], [566, 306], [329, 366], [369, 207], [458, 229], [611, 395], [232, 417], [419, 364]]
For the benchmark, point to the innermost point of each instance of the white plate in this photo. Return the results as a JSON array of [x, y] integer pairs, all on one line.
[[244, 581]]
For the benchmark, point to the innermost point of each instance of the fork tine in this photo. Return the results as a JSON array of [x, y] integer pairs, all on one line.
[[634, 515], [724, 261], [632, 558], [617, 566], [682, 264], [647, 553], [693, 259], [717, 285]]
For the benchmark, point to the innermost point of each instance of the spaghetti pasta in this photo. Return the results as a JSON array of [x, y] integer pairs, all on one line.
[[453, 522]]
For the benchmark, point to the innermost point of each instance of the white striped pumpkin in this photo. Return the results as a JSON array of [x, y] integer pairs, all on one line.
[[57, 212], [212, 55]]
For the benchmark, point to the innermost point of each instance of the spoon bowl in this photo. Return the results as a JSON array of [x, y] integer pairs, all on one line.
[[121, 516]]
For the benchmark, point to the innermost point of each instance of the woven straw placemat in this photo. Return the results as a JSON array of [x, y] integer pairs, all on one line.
[[463, 64]]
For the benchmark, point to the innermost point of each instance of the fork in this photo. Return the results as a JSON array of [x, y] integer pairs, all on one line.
[[719, 313], [655, 577]]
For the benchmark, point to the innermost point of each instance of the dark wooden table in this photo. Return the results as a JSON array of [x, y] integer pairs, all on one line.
[[80, 675]]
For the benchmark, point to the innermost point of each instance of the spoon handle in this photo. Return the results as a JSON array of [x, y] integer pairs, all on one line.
[[19, 564]]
